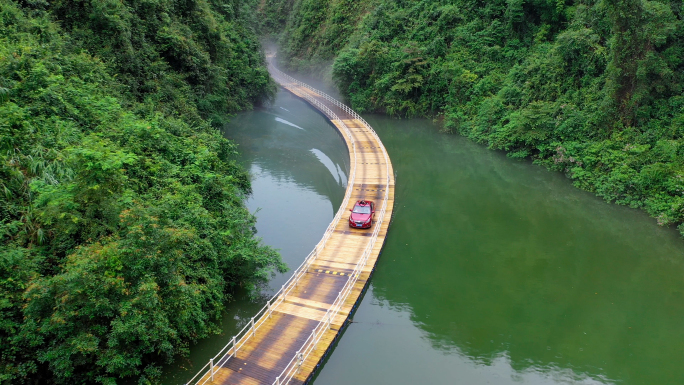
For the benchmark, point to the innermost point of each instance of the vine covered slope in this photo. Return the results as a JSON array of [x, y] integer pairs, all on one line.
[[123, 232], [591, 88]]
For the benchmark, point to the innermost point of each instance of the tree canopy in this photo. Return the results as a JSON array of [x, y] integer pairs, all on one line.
[[591, 88], [123, 232]]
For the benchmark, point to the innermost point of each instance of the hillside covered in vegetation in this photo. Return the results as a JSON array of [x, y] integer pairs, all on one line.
[[591, 88], [123, 233]]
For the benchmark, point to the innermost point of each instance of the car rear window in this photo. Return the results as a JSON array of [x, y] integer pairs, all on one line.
[[362, 209]]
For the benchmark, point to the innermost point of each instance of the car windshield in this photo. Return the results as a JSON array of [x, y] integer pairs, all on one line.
[[362, 209]]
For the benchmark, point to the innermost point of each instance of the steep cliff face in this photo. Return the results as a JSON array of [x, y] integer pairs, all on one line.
[[589, 88]]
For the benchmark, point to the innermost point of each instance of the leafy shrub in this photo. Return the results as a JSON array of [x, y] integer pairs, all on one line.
[[122, 224], [589, 88]]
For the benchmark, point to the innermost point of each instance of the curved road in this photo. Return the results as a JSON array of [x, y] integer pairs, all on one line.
[[287, 340]]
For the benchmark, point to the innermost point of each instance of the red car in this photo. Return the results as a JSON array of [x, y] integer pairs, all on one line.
[[361, 216]]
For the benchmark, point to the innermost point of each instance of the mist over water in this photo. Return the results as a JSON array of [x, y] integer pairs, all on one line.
[[495, 271]]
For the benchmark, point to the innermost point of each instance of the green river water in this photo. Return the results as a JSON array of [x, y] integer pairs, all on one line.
[[495, 271]]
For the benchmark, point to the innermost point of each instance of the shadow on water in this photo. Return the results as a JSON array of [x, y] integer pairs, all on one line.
[[497, 271]]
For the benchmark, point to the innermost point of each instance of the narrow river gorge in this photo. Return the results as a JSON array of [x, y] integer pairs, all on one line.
[[495, 271]]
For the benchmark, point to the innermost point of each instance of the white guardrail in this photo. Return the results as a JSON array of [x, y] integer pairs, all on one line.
[[249, 330]]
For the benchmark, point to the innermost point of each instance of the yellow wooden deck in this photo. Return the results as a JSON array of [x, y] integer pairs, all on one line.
[[270, 353]]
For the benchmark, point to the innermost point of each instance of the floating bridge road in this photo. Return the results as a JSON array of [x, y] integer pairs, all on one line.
[[287, 340]]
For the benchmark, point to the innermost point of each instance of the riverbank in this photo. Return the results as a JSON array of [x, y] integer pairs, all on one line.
[[493, 271], [123, 229], [298, 168], [555, 82]]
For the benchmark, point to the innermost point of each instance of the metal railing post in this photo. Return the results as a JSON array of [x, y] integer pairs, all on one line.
[[300, 361], [318, 99], [211, 368], [234, 347]]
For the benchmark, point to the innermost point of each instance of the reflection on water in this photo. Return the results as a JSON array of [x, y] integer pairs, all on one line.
[[298, 165], [496, 271], [281, 120], [384, 345], [334, 169]]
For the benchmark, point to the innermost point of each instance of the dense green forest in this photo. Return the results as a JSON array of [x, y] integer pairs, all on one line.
[[122, 224], [591, 88]]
